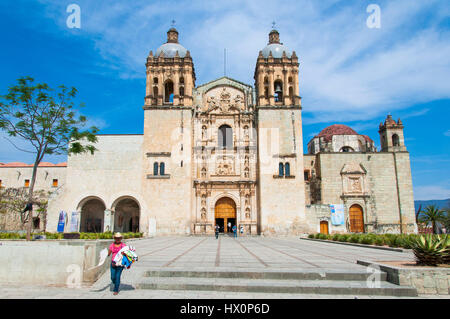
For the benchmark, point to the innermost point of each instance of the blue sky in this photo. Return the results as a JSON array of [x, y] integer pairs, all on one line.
[[349, 74]]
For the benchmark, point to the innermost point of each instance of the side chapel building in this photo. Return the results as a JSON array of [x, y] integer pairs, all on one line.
[[229, 153]]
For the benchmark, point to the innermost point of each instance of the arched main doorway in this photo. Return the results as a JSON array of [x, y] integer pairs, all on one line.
[[92, 216], [126, 215], [324, 227], [356, 219], [225, 214]]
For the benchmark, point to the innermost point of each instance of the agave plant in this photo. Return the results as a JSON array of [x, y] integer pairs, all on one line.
[[431, 250]]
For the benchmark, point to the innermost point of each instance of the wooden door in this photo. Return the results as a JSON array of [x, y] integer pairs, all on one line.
[[225, 208], [324, 227], [356, 219]]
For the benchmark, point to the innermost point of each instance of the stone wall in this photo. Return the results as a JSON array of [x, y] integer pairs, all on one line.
[[51, 262]]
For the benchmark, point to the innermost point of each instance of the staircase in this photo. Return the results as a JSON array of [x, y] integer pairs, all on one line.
[[274, 281]]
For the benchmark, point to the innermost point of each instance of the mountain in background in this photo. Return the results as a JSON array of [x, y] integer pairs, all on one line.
[[442, 203]]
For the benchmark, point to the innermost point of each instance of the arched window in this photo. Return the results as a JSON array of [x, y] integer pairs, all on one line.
[[266, 80], [278, 88], [287, 169], [168, 92], [155, 91], [280, 169], [155, 168], [290, 79], [225, 136], [182, 91], [291, 94], [155, 80], [395, 140], [347, 149], [161, 169], [266, 92], [182, 80]]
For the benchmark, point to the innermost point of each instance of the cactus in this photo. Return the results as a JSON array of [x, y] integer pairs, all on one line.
[[431, 250]]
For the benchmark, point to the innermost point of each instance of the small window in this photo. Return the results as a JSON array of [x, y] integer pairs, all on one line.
[[162, 169], [287, 169], [168, 92], [347, 149], [182, 91], [181, 164], [225, 136], [281, 169], [27, 183], [36, 222], [55, 183], [155, 80], [155, 168], [395, 140], [182, 80], [306, 175]]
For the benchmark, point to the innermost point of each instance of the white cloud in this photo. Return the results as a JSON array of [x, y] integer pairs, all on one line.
[[347, 72], [429, 192]]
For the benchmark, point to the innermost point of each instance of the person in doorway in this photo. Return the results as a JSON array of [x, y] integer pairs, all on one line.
[[229, 227], [116, 270], [242, 230], [217, 229], [235, 231]]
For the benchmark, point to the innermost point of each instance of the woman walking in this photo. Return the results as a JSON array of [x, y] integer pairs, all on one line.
[[116, 270]]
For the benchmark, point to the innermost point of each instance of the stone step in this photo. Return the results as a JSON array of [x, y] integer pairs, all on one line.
[[258, 274], [328, 287]]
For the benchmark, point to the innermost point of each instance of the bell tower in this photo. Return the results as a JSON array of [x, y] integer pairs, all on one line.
[[280, 141], [276, 74], [391, 135], [170, 74]]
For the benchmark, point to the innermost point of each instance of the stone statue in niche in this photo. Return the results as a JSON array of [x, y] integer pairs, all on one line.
[[247, 213], [203, 174], [246, 135], [203, 214], [204, 133]]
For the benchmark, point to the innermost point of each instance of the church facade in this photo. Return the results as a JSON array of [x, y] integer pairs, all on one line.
[[227, 153]]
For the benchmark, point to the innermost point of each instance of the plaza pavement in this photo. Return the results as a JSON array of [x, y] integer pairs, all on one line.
[[226, 253]]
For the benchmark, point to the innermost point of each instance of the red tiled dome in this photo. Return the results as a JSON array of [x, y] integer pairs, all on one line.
[[336, 129]]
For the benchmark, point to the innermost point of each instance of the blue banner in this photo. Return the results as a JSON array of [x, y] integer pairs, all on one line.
[[61, 222], [337, 214]]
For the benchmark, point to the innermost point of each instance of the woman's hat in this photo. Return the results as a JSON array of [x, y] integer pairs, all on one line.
[[117, 235]]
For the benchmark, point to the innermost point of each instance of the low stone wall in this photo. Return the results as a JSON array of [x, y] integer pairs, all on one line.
[[427, 280], [56, 262]]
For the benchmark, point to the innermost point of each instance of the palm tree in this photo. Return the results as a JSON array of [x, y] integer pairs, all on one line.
[[432, 214]]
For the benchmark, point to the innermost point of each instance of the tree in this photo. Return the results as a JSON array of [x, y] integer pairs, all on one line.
[[432, 214], [47, 119], [13, 201]]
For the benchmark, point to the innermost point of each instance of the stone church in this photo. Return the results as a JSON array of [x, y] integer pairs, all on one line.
[[227, 153]]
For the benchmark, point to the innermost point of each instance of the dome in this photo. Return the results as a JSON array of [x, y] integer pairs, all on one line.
[[276, 49], [170, 50], [336, 129]]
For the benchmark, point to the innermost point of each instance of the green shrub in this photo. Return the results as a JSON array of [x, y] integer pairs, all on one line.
[[311, 236], [353, 238], [379, 241], [343, 237], [368, 239], [335, 237]]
